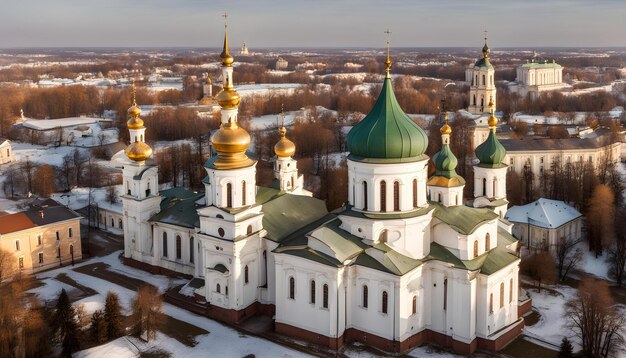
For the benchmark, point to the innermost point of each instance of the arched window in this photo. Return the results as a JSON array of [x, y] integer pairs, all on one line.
[[491, 303], [482, 101], [164, 244], [415, 193], [383, 196], [439, 197], [292, 288], [191, 250], [495, 185], [474, 101], [226, 290], [325, 296], [112, 222], [364, 296], [179, 248], [249, 230], [396, 196], [501, 294], [265, 263], [243, 193], [484, 186], [487, 242], [476, 82], [475, 248], [384, 302], [511, 291], [484, 80], [119, 224], [229, 195], [364, 195], [414, 305], [218, 288], [245, 274], [312, 300], [69, 231], [445, 293]]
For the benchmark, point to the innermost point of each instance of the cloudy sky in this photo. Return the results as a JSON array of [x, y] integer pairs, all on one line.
[[312, 23]]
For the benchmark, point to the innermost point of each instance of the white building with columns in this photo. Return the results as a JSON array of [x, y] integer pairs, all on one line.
[[538, 75], [403, 263]]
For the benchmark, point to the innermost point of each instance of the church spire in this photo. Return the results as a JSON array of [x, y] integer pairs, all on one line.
[[388, 60], [138, 150], [486, 49], [284, 148], [491, 152], [227, 59]]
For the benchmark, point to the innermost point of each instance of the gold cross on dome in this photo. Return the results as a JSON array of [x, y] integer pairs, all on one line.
[[485, 35], [225, 16], [388, 40]]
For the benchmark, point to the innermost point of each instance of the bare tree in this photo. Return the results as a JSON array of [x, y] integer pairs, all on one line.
[[7, 264], [539, 267], [600, 216], [595, 319], [568, 256], [617, 253], [146, 316]]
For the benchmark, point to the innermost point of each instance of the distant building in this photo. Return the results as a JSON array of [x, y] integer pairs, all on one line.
[[6, 151], [207, 92], [244, 50], [541, 224], [480, 77], [537, 76], [281, 64], [41, 238], [540, 154], [61, 131]]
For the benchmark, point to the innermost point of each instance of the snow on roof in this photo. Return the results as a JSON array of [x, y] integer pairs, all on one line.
[[544, 213], [48, 124]]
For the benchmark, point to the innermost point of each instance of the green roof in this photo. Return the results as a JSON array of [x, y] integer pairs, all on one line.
[[288, 213], [541, 65], [461, 218], [179, 208], [488, 263], [387, 132], [484, 62], [491, 152]]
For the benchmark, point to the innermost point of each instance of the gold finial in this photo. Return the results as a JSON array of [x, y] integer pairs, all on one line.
[[134, 110], [227, 59], [492, 118], [485, 36], [282, 130], [445, 129], [486, 47], [284, 148], [388, 60]]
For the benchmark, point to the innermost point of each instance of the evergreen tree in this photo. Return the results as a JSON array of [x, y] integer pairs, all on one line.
[[98, 328], [113, 316], [567, 350], [65, 325]]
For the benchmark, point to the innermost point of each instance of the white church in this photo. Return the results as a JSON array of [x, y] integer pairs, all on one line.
[[403, 263]]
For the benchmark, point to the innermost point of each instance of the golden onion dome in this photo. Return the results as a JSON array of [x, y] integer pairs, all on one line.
[[138, 151], [228, 98], [134, 123], [134, 111], [445, 129], [230, 138], [284, 148]]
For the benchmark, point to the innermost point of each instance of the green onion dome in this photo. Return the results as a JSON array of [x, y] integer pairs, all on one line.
[[387, 132], [445, 162], [490, 152]]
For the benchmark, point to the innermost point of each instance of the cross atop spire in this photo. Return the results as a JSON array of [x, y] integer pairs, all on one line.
[[388, 60], [486, 47], [133, 90], [485, 36], [282, 115], [225, 16]]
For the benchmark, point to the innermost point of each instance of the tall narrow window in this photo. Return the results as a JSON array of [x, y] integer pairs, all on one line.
[[491, 303], [414, 305], [474, 100], [249, 230], [58, 236], [511, 291], [245, 274], [164, 244], [396, 196], [439, 197], [120, 224], [364, 296], [364, 195], [415, 193], [445, 293], [72, 250], [292, 288], [218, 288], [229, 195], [484, 80], [484, 187], [226, 290], [179, 248], [312, 300], [58, 252], [191, 250], [475, 248], [383, 196], [384, 302], [325, 296], [40, 258], [501, 294], [495, 186], [69, 232], [487, 242], [265, 264], [243, 193], [17, 245]]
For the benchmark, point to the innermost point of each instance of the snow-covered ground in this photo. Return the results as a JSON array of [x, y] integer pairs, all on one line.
[[265, 89], [220, 342], [550, 304]]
